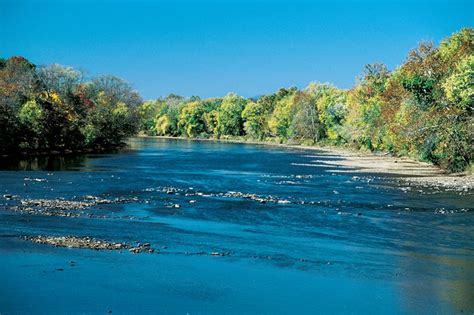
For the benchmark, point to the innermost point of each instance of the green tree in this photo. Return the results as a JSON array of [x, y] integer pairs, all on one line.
[[306, 123], [31, 118], [148, 112], [364, 125], [255, 115], [229, 118], [459, 86], [332, 109], [114, 115], [282, 118], [210, 121], [191, 119], [174, 104]]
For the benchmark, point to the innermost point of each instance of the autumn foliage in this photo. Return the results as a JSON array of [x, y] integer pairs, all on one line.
[[54, 109], [423, 109]]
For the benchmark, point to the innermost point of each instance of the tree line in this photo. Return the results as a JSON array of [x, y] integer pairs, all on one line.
[[55, 109], [422, 109]]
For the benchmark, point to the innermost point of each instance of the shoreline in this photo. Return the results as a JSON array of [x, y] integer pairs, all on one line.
[[356, 161]]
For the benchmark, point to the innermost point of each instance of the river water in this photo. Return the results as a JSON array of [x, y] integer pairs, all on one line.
[[237, 229]]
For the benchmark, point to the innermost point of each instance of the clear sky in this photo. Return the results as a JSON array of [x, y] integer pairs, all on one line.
[[209, 48]]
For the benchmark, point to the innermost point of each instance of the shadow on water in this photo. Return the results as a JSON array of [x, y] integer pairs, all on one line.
[[43, 163], [70, 162]]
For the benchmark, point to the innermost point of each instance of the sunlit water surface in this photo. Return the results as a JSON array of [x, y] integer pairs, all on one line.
[[329, 241]]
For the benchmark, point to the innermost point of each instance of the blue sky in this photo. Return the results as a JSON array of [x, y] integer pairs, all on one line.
[[209, 48]]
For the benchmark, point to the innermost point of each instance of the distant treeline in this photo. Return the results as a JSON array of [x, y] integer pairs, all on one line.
[[54, 109], [423, 109]]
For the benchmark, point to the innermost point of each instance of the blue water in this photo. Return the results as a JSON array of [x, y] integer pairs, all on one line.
[[338, 242]]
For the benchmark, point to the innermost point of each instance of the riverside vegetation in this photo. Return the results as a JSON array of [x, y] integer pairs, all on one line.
[[55, 109], [422, 109]]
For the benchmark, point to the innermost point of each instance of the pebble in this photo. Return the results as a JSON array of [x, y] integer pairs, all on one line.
[[88, 242], [65, 208]]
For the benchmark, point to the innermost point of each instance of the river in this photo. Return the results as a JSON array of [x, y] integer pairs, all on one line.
[[237, 228]]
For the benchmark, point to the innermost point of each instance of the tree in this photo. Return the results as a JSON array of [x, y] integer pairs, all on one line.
[[31, 118], [191, 119], [163, 125], [148, 112], [18, 83], [421, 73], [255, 116], [306, 123], [115, 90], [455, 48], [282, 118], [210, 121], [332, 108], [459, 86], [229, 119], [194, 117], [174, 104], [114, 115], [373, 79], [60, 79]]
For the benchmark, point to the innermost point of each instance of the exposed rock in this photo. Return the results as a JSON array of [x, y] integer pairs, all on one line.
[[190, 192], [141, 249], [459, 183], [60, 204], [64, 208], [29, 179], [255, 197], [220, 254], [88, 242]]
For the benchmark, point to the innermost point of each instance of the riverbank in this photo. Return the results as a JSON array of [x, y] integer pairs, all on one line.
[[355, 161]]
